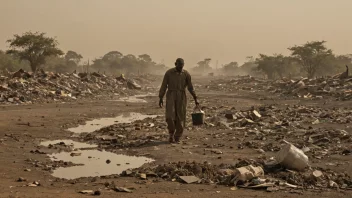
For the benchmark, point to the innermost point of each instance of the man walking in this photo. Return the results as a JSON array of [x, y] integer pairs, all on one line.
[[175, 82]]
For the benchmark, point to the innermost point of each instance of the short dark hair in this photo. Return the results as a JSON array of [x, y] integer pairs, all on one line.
[[180, 60]]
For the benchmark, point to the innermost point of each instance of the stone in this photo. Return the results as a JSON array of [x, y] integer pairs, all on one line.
[[189, 179], [21, 179], [86, 192], [143, 176], [317, 174], [122, 189]]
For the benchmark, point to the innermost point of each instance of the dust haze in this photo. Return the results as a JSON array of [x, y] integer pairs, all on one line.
[[226, 31]]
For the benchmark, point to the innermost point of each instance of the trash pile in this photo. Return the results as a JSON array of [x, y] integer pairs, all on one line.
[[24, 87], [253, 174], [318, 88], [269, 123], [285, 131], [340, 89]]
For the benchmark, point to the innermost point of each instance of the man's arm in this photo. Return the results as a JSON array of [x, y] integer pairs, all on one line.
[[164, 86], [191, 88]]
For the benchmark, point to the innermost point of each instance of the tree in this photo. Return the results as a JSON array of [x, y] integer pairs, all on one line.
[[230, 68], [112, 56], [274, 65], [33, 47], [73, 56], [249, 67], [334, 64], [130, 63], [11, 63], [59, 64], [145, 58], [310, 56]]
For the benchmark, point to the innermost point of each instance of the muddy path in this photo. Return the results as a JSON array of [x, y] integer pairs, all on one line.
[[22, 128]]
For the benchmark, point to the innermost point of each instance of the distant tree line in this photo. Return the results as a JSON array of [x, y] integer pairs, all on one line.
[[310, 60], [33, 51]]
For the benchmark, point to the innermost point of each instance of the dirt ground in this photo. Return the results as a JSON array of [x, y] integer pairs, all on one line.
[[22, 128]]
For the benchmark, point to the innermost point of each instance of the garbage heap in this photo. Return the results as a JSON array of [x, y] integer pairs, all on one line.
[[319, 88], [294, 147], [23, 87]]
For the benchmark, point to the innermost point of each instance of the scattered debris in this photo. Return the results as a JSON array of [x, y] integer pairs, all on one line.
[[247, 173], [189, 179], [91, 192], [26, 88], [34, 184], [122, 189], [21, 179]]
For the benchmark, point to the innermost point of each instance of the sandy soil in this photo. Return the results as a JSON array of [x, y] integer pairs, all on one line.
[[22, 128]]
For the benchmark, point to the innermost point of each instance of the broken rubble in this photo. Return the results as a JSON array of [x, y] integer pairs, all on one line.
[[247, 173], [25, 88]]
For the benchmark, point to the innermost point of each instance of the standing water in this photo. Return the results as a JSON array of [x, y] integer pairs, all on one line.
[[97, 124]]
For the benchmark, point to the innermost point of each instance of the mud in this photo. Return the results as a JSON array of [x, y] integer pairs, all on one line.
[[220, 144], [96, 124], [95, 163]]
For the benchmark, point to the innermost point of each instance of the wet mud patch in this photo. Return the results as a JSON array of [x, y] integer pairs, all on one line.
[[95, 163], [134, 99], [67, 143], [97, 124]]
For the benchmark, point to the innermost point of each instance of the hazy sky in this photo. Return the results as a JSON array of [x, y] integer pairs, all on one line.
[[224, 30]]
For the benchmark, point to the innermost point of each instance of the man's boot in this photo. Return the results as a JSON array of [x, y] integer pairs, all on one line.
[[177, 139], [171, 138]]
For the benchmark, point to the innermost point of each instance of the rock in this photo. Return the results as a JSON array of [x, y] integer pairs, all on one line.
[[229, 116], [346, 152], [87, 192], [189, 179], [316, 122], [143, 176], [127, 173], [97, 192], [21, 179], [256, 114], [216, 151], [246, 121], [122, 189], [333, 184], [317, 174], [225, 172], [75, 154], [27, 170], [108, 161], [272, 189], [233, 188], [34, 184], [260, 150]]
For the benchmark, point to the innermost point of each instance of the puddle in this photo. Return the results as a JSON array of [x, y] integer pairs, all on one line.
[[95, 164], [134, 99], [73, 144], [96, 124]]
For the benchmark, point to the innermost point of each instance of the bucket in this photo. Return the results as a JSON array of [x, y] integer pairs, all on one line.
[[198, 117]]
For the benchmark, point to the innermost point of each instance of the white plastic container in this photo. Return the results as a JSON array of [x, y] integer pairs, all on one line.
[[292, 158]]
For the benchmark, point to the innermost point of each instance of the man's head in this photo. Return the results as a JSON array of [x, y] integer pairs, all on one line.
[[179, 64]]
